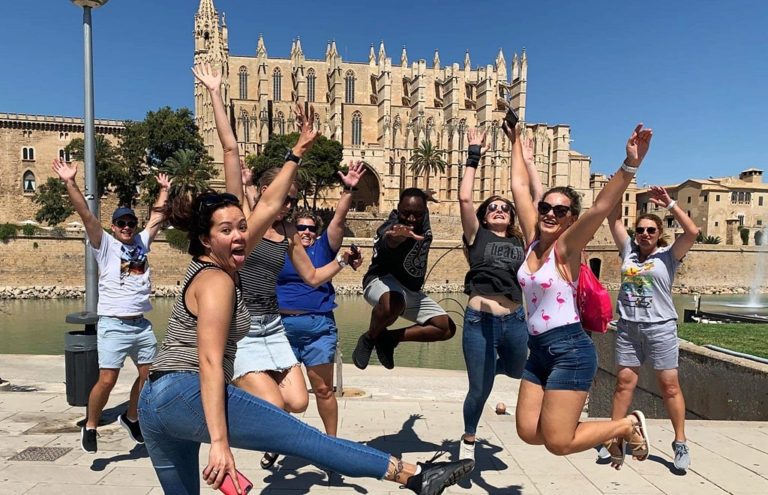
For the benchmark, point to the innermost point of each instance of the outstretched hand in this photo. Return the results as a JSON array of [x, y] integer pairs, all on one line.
[[306, 125], [660, 197], [354, 173], [65, 171], [637, 145], [164, 181], [431, 195], [477, 137], [527, 143], [210, 77], [400, 230], [246, 174]]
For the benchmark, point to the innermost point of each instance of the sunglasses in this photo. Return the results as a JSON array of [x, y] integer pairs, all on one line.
[[213, 200], [291, 201], [560, 210], [130, 223], [643, 230], [311, 228], [504, 207]]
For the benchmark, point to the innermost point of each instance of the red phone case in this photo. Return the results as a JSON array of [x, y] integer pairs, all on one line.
[[228, 487]]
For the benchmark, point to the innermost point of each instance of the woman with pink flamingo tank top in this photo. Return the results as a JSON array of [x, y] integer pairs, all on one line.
[[562, 361]]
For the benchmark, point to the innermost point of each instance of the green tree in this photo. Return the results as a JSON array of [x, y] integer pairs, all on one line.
[[319, 165], [189, 171], [54, 208], [427, 160]]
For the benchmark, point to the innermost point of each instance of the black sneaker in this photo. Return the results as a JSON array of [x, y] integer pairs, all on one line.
[[362, 353], [385, 349], [88, 440], [437, 476], [133, 428]]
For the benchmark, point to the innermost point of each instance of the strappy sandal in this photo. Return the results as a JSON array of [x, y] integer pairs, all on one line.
[[268, 460], [639, 442], [615, 447]]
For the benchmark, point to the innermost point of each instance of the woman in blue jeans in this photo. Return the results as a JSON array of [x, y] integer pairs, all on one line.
[[494, 336], [562, 361]]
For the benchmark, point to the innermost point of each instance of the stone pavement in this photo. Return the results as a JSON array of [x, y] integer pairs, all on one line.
[[415, 412]]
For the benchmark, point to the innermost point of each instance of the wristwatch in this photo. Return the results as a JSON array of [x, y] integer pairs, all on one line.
[[340, 261], [290, 157]]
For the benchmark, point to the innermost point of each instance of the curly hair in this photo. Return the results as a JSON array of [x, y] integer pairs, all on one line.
[[308, 213], [512, 230], [659, 225], [571, 194]]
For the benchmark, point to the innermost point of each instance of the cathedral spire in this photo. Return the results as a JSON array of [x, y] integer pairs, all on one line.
[[261, 49], [206, 9], [299, 50], [382, 52], [404, 58], [436, 60], [372, 57], [501, 65], [467, 61]]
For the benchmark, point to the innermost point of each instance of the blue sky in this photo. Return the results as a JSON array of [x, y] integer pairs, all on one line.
[[694, 71]]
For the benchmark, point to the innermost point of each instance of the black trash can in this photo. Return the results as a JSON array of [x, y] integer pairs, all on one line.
[[81, 365]]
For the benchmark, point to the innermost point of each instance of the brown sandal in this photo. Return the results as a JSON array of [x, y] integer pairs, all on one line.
[[615, 447], [639, 443]]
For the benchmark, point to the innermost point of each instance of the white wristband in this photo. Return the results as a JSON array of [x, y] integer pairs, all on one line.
[[629, 168], [671, 205], [340, 261]]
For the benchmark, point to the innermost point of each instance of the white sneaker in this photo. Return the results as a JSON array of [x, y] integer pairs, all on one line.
[[466, 450]]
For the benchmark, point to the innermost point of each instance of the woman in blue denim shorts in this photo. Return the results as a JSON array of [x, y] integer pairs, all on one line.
[[647, 328], [307, 311], [494, 338], [562, 361], [189, 399]]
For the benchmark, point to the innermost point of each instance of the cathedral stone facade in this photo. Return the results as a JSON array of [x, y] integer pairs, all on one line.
[[381, 110]]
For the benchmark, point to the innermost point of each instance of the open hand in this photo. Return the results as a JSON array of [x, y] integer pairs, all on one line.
[[637, 145], [431, 195], [400, 230], [306, 125], [207, 75], [220, 463], [659, 196], [477, 137], [65, 171], [527, 143], [354, 173], [246, 174], [163, 181]]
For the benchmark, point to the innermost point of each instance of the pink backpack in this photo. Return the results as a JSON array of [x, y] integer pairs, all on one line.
[[593, 301]]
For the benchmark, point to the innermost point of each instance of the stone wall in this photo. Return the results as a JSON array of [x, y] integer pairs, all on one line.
[[715, 385], [47, 262]]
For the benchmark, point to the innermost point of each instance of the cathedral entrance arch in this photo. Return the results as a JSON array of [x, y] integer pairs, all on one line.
[[368, 191]]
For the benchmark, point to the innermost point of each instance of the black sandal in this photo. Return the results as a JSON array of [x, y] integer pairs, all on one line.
[[269, 460]]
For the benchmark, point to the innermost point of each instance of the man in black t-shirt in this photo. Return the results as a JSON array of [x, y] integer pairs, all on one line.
[[394, 281]]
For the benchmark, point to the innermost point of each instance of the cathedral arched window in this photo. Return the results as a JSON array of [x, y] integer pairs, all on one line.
[[311, 78], [243, 83], [246, 122], [357, 129], [277, 82], [29, 183], [28, 153], [349, 87], [281, 122]]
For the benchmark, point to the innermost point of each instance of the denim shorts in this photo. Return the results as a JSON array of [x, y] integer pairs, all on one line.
[[313, 337], [265, 348], [656, 342], [120, 338], [563, 358]]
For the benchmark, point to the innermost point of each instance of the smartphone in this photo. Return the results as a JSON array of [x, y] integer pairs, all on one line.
[[511, 118], [355, 253], [228, 487]]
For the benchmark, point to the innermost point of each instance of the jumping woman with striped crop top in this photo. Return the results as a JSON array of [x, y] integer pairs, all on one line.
[[562, 361]]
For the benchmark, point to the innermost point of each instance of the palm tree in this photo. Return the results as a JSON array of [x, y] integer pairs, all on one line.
[[189, 172], [427, 160]]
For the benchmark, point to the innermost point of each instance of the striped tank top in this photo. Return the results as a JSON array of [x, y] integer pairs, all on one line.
[[178, 351], [259, 276]]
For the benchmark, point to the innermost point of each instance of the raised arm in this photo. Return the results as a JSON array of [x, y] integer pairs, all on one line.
[[213, 297], [157, 217], [581, 232], [92, 225], [681, 246], [469, 222], [211, 79], [249, 188], [313, 276], [335, 231], [537, 190], [618, 231], [521, 187], [272, 199]]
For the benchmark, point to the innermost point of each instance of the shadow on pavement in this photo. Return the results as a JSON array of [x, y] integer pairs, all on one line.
[[286, 474], [138, 452]]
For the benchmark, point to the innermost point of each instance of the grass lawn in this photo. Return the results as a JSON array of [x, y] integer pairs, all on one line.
[[740, 337]]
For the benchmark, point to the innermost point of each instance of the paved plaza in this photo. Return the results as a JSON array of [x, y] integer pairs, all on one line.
[[414, 412]]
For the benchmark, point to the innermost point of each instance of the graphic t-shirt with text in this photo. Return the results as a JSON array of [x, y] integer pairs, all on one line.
[[646, 287]]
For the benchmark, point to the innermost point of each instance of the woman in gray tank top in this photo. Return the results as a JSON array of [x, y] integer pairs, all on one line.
[[495, 336], [647, 328]]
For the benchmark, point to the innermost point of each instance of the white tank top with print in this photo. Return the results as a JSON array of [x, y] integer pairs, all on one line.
[[550, 301]]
